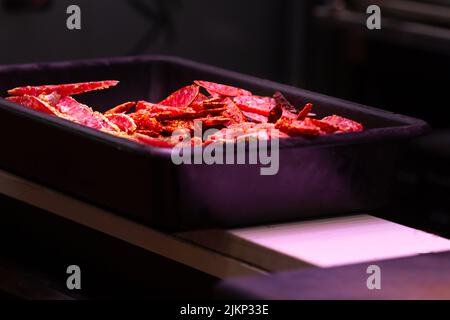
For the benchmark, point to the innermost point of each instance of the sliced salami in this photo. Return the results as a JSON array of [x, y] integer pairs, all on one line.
[[63, 89], [256, 104], [182, 98], [222, 89], [344, 124]]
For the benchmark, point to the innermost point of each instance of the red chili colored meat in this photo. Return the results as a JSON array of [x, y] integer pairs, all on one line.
[[70, 89], [182, 98], [222, 89], [235, 112]]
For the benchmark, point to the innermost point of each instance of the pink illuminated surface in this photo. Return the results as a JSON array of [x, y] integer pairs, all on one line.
[[344, 240]]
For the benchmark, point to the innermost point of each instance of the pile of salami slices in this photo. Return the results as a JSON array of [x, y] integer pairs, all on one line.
[[235, 113]]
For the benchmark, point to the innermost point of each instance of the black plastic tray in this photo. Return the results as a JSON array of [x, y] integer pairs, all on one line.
[[327, 175]]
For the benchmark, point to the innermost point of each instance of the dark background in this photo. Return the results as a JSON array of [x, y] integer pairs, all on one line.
[[322, 46]]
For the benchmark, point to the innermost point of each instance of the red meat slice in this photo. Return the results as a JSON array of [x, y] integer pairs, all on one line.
[[152, 141], [246, 130], [289, 111], [214, 121], [297, 128], [254, 117], [233, 112], [84, 115], [182, 98], [325, 127], [256, 104], [221, 89], [275, 114], [124, 122], [160, 111], [63, 89], [305, 111], [35, 104], [343, 124], [146, 121]]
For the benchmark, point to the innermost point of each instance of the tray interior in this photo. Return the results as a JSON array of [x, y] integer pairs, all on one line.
[[154, 78]]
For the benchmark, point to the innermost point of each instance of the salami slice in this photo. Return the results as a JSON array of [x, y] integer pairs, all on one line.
[[182, 98], [174, 125], [148, 133], [256, 104], [52, 98], [285, 104], [161, 112], [305, 111], [200, 98], [344, 124], [214, 121], [123, 122], [146, 121], [150, 141], [153, 107], [297, 128], [275, 114], [254, 117], [208, 103], [245, 131], [34, 103], [84, 115], [212, 103], [325, 127], [63, 89], [233, 112], [222, 89]]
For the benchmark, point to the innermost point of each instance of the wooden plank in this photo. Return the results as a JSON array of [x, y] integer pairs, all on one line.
[[231, 244], [114, 225]]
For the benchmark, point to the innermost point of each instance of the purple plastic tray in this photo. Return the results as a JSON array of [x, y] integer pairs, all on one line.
[[327, 175]]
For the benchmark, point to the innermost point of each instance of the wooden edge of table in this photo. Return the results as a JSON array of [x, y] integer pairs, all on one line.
[[166, 245], [227, 243]]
